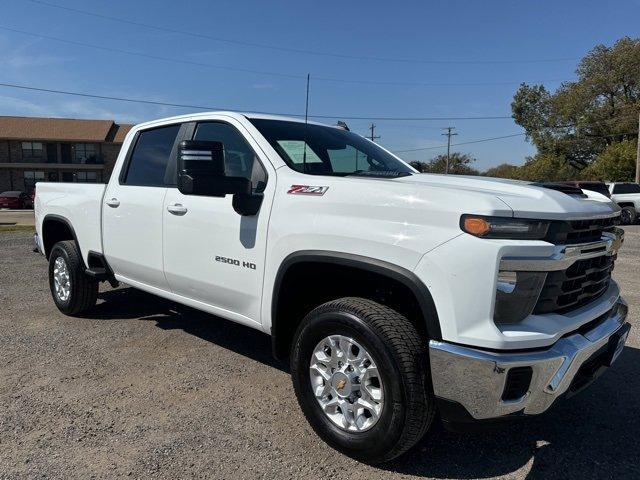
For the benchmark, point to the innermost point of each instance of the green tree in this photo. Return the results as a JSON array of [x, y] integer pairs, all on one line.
[[459, 164], [417, 165], [545, 168], [505, 170], [617, 163], [582, 118]]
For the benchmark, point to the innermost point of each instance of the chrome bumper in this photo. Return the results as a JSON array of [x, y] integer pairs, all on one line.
[[476, 379]]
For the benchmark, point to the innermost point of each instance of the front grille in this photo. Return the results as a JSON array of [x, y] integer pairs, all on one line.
[[580, 231], [581, 283]]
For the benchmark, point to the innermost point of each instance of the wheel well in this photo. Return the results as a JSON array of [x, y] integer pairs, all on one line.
[[307, 284], [55, 230], [626, 204]]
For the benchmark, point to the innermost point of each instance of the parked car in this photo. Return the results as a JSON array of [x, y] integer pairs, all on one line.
[[15, 199], [393, 294], [627, 196]]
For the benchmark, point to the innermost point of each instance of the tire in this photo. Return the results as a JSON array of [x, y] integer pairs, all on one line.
[[628, 216], [82, 291], [401, 358]]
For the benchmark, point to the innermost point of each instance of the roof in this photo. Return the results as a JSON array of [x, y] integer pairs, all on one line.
[[228, 113], [62, 129]]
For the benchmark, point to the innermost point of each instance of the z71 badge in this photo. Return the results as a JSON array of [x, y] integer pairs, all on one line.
[[307, 190]]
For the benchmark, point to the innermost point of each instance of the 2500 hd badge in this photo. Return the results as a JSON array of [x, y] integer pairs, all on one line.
[[235, 262]]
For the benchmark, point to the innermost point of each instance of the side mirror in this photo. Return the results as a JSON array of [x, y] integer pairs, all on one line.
[[201, 171]]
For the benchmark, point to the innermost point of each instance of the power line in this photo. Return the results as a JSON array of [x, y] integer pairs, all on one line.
[[264, 72], [482, 140], [296, 50], [335, 116], [204, 107], [151, 56], [460, 143]]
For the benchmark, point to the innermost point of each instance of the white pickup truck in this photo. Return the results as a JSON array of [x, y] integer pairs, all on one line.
[[627, 196], [394, 294]]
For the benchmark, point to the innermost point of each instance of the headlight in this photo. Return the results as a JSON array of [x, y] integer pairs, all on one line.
[[504, 227], [516, 295]]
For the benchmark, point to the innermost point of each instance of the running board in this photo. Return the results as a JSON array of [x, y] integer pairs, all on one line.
[[99, 269]]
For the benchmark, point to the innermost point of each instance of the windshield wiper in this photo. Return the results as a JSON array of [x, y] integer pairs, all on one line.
[[378, 173]]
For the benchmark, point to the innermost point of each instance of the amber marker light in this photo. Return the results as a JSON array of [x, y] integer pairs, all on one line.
[[476, 226]]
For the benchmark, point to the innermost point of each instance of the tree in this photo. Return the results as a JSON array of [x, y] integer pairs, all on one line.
[[547, 168], [582, 118], [504, 170], [417, 165], [459, 164], [617, 163]]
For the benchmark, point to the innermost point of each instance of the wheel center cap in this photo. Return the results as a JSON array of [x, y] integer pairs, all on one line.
[[341, 384]]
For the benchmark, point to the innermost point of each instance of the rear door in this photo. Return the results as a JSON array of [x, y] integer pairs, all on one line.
[[132, 211], [211, 253]]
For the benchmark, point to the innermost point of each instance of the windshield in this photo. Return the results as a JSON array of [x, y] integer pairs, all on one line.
[[329, 150]]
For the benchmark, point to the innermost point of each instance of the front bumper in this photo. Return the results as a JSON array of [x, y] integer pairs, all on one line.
[[480, 380]]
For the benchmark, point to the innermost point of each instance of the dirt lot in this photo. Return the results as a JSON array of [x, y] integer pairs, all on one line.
[[141, 388]]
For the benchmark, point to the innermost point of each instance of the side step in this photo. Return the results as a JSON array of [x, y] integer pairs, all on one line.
[[100, 274], [99, 269]]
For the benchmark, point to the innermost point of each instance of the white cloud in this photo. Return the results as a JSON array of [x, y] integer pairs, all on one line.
[[16, 59], [75, 108]]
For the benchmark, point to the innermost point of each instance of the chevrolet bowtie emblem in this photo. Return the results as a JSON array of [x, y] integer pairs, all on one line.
[[340, 385]]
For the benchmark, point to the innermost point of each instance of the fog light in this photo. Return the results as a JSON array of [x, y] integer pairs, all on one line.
[[516, 295]]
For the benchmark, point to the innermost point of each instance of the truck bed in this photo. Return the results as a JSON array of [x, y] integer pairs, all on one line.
[[80, 204]]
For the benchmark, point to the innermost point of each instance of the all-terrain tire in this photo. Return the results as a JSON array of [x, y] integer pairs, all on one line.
[[83, 290], [401, 357]]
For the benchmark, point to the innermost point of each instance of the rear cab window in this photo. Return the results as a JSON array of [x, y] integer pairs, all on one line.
[[149, 158]]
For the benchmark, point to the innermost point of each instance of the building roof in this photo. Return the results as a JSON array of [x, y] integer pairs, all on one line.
[[62, 129]]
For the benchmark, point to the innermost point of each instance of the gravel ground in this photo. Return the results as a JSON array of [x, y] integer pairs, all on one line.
[[143, 388]]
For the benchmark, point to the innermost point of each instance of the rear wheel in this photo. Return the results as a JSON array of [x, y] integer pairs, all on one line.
[[628, 215], [360, 373], [72, 289]]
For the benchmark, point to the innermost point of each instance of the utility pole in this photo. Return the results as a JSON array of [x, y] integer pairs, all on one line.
[[373, 137], [449, 134], [638, 153]]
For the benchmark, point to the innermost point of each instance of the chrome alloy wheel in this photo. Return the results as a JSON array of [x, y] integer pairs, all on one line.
[[61, 279], [346, 383]]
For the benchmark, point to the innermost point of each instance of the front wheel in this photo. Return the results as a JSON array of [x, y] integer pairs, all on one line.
[[72, 289], [628, 215], [361, 375]]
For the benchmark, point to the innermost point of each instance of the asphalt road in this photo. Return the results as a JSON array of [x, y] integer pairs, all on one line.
[[142, 388], [16, 217]]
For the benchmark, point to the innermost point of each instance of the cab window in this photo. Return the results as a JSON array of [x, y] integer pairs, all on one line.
[[239, 158], [150, 157]]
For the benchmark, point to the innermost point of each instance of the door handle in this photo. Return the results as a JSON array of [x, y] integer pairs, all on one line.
[[177, 209], [113, 203]]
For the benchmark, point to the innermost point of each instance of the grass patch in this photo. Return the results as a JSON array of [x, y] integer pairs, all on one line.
[[17, 228]]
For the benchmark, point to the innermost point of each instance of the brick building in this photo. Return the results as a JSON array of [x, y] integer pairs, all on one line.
[[36, 149]]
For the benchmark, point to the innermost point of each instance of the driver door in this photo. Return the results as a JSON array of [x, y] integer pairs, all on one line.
[[213, 255]]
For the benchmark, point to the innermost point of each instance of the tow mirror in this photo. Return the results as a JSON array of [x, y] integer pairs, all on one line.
[[201, 171]]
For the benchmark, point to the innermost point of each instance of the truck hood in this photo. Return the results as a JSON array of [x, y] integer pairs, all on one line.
[[526, 199]]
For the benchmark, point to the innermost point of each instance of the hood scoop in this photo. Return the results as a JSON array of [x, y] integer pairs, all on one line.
[[566, 189]]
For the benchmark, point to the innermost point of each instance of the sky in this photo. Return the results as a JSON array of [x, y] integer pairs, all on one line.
[[365, 59]]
